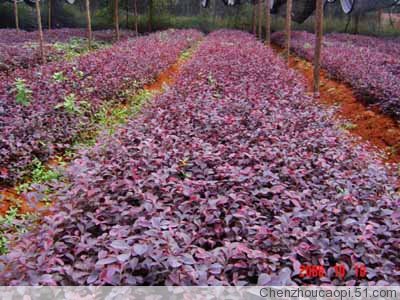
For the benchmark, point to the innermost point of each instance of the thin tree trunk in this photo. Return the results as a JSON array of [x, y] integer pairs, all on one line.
[[259, 8], [16, 15], [116, 18], [288, 27], [150, 26], [380, 20], [267, 24], [237, 13], [49, 14], [254, 20], [319, 27], [127, 14], [136, 17], [356, 23], [348, 23], [39, 21], [89, 24], [215, 12]]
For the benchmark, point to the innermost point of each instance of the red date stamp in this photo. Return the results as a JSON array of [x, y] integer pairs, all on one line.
[[318, 271]]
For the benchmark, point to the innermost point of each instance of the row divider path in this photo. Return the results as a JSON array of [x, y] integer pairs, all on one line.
[[367, 122]]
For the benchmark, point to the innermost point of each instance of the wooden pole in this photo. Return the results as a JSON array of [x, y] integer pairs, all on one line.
[[288, 27], [127, 14], [259, 8], [254, 20], [49, 14], [356, 23], [319, 27], [89, 24], [16, 15], [150, 24], [136, 17], [39, 21], [268, 24], [116, 18]]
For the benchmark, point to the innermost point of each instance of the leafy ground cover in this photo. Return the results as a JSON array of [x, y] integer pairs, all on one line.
[[373, 73], [59, 35], [383, 45], [44, 110], [20, 50], [233, 176]]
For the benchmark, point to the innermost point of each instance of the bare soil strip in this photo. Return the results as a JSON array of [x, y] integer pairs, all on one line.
[[366, 122]]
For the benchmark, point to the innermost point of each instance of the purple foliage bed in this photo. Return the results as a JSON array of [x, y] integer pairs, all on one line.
[[20, 50], [58, 35], [233, 176], [40, 130], [373, 71]]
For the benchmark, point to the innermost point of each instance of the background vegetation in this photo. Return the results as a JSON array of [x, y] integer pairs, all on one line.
[[181, 14]]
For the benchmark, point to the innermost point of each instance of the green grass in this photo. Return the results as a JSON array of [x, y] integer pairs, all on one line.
[[77, 46], [39, 174], [12, 222]]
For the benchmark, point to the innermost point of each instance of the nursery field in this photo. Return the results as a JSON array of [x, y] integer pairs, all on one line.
[[183, 159]]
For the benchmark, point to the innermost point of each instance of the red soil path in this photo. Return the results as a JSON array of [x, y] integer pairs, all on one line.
[[370, 124]]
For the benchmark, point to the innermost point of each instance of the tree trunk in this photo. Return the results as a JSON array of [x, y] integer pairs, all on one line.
[[268, 24], [89, 24], [259, 8], [254, 25], [356, 23], [39, 21], [288, 27], [49, 14], [237, 14], [16, 15], [127, 14], [380, 20], [136, 17], [150, 24], [116, 18], [319, 27]]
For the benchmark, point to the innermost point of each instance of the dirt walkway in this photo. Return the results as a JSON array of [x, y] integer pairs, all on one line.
[[366, 122]]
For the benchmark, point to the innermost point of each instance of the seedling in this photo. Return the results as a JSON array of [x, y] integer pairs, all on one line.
[[59, 77], [349, 126], [24, 94], [40, 174], [70, 105]]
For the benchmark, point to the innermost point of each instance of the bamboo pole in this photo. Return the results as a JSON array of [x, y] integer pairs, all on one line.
[[319, 27], [116, 18], [267, 24], [254, 25], [89, 24], [288, 27], [39, 21], [49, 14], [16, 15], [136, 17], [259, 8]]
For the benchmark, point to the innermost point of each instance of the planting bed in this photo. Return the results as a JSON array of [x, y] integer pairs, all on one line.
[[233, 176], [20, 49], [372, 72], [8, 36], [44, 110]]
